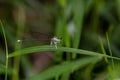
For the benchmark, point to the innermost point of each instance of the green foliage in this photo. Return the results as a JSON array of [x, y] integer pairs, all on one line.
[[60, 69], [6, 49], [77, 55], [52, 48]]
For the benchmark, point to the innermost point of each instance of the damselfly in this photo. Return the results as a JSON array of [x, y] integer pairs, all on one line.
[[39, 39]]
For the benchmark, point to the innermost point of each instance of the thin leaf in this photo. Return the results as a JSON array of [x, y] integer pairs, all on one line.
[[52, 48], [110, 71], [60, 69], [78, 12], [109, 47], [6, 48]]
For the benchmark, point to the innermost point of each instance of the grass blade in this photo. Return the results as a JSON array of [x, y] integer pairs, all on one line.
[[110, 51], [103, 49], [60, 69], [62, 49], [6, 47], [106, 59], [19, 35], [78, 12]]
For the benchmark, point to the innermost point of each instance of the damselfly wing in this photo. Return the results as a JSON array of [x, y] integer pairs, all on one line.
[[36, 39]]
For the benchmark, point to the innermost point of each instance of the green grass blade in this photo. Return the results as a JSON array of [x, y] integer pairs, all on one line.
[[106, 59], [78, 12], [103, 49], [110, 51], [62, 49], [60, 69], [60, 24], [6, 47], [19, 35], [62, 31]]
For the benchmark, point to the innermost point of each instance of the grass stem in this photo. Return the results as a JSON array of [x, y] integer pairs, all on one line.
[[6, 47], [108, 41]]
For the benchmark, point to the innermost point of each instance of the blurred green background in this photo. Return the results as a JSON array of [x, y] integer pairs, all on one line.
[[90, 25]]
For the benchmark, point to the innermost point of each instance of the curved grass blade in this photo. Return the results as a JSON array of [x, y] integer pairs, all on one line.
[[62, 49], [60, 69], [6, 47]]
